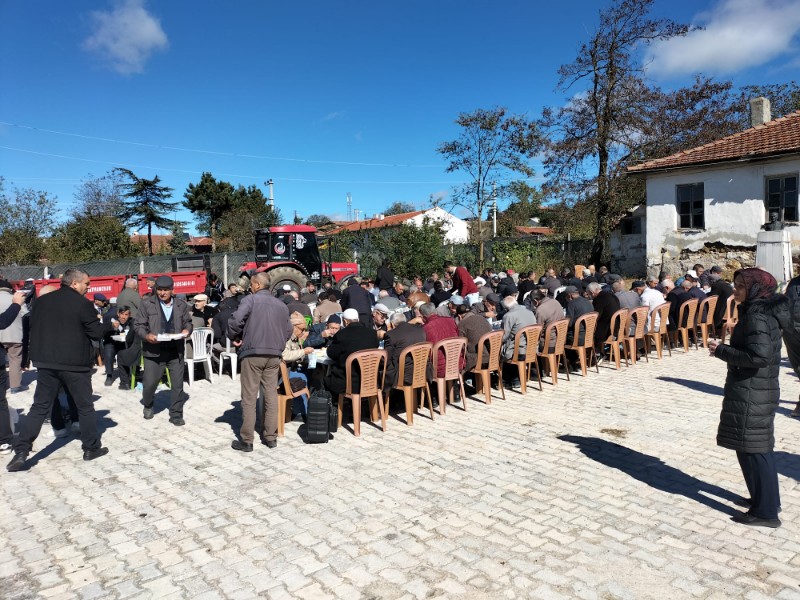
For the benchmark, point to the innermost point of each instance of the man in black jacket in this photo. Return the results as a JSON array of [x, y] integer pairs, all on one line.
[[398, 338], [66, 316], [353, 336], [605, 304], [360, 300], [118, 322]]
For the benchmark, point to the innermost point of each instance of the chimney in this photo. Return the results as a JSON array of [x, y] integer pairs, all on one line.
[[760, 112]]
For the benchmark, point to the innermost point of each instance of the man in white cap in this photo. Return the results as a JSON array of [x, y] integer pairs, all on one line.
[[352, 337], [380, 319]]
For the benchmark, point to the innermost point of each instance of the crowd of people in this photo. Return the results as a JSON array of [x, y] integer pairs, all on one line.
[[269, 327]]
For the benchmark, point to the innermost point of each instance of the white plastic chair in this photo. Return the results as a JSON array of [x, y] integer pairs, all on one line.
[[201, 352], [230, 354]]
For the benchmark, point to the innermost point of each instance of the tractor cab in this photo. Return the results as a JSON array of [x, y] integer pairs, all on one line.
[[295, 244]]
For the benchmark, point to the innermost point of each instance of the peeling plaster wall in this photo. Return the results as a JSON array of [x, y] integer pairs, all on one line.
[[628, 251], [734, 208]]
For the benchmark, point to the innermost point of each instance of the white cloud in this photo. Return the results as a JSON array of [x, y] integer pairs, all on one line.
[[737, 35], [337, 114], [126, 36]]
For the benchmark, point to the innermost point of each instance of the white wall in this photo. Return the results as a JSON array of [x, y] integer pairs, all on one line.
[[734, 206], [456, 230]]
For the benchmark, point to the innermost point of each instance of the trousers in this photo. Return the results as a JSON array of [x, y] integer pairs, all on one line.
[[154, 371], [260, 372], [761, 477], [14, 364], [48, 382], [6, 434]]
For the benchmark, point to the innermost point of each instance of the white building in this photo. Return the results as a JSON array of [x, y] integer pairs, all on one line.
[[455, 229]]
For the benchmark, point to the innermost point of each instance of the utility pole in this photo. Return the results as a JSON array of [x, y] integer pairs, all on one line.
[[349, 207], [494, 210], [270, 197]]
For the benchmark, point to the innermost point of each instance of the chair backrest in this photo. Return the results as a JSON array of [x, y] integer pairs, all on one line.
[[420, 354], [532, 334], [705, 310], [660, 314], [454, 349], [589, 322], [201, 341], [686, 313], [560, 327], [369, 363], [616, 329], [639, 315], [494, 341], [732, 310]]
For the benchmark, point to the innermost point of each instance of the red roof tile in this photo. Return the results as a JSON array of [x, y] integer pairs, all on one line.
[[534, 230], [774, 138], [387, 221]]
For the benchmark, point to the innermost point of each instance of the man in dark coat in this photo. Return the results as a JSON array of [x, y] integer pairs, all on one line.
[[723, 290], [118, 321], [577, 306], [384, 278], [605, 305], [358, 299], [163, 314], [527, 282], [472, 326], [72, 319], [401, 335], [353, 336]]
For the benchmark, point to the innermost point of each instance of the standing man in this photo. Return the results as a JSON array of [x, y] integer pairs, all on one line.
[[6, 319], [73, 319], [11, 338], [129, 296], [260, 327], [163, 314], [359, 299], [463, 283]]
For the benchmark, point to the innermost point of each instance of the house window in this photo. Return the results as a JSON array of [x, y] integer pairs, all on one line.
[[691, 206], [782, 198], [632, 226]]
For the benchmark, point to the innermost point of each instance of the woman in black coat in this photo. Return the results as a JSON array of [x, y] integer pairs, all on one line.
[[752, 391]]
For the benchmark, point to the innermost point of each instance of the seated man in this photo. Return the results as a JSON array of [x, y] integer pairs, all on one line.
[[353, 336], [605, 304], [293, 355], [472, 326], [515, 318], [438, 328], [390, 302], [547, 310], [321, 334], [380, 315], [202, 311], [127, 353], [326, 306], [401, 335], [448, 309]]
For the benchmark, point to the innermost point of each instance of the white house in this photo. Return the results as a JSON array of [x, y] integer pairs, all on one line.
[[707, 204], [456, 230]]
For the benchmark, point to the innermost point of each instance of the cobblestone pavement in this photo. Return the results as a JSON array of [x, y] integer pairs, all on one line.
[[605, 487]]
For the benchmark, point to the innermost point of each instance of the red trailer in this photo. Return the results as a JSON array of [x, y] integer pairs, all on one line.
[[186, 282]]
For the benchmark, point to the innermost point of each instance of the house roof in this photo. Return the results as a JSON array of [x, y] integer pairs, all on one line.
[[774, 138], [387, 221], [533, 230]]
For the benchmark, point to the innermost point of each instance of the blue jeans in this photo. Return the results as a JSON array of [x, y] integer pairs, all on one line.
[[299, 404]]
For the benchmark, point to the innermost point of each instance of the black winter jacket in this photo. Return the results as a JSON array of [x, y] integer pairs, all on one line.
[[751, 388]]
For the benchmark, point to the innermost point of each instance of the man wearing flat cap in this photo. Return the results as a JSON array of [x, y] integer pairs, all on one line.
[[161, 316]]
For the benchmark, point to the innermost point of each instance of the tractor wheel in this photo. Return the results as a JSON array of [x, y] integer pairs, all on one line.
[[344, 282], [286, 276]]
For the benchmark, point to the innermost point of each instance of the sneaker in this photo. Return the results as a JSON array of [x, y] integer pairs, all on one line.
[[75, 428], [60, 433], [5, 448], [109, 380], [600, 359]]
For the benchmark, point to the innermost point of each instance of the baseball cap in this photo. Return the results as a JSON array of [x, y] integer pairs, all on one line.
[[691, 273], [286, 287], [456, 300], [351, 314]]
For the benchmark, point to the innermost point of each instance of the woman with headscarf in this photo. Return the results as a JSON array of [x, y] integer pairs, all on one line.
[[752, 391]]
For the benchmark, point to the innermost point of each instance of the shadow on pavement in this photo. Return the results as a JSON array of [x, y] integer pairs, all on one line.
[[788, 465], [103, 424], [233, 417], [694, 385], [653, 471]]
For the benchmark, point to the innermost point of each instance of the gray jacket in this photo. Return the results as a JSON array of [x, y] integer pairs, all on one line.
[[515, 319], [148, 320], [262, 324], [131, 298], [13, 333]]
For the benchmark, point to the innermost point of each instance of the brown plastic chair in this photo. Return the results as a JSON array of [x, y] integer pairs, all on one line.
[[455, 352], [285, 397], [706, 307], [639, 316], [369, 362], [616, 336], [731, 318], [532, 335], [557, 354], [686, 314], [661, 334], [586, 350], [494, 341], [420, 354]]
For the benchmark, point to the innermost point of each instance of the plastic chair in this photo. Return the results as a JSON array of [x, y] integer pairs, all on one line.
[[285, 397], [639, 317], [231, 354], [616, 336], [658, 335], [731, 318], [532, 335], [686, 315], [420, 354], [557, 354], [201, 352], [494, 341], [455, 352], [141, 366], [586, 350], [705, 318], [369, 362]]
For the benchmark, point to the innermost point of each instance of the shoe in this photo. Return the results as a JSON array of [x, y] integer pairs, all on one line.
[[271, 443], [435, 403], [18, 462], [177, 421], [75, 428], [19, 389], [456, 395], [795, 414], [600, 359], [748, 519], [241, 446], [745, 503], [147, 413], [60, 433], [124, 387], [109, 380], [96, 453], [5, 448]]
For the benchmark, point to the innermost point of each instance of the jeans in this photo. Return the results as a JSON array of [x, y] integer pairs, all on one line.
[[299, 404], [79, 385]]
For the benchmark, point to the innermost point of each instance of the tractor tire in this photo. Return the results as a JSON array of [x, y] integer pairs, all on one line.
[[286, 275], [344, 282]]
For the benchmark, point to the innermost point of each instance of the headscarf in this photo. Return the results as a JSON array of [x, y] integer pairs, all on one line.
[[758, 283]]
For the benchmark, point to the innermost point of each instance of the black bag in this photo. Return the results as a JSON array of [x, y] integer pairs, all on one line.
[[322, 417]]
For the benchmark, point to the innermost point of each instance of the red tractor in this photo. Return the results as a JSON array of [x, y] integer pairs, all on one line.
[[291, 256]]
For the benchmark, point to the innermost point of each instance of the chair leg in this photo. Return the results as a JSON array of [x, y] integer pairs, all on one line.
[[441, 387], [281, 415], [500, 382], [486, 383], [582, 359], [523, 384], [463, 391], [552, 361], [426, 392], [538, 372], [341, 407], [408, 396], [356, 400], [191, 373], [563, 358], [382, 411]]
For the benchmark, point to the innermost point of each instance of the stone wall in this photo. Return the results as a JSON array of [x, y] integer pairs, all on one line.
[[730, 258]]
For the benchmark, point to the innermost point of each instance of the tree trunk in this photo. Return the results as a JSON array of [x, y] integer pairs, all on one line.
[[214, 236], [150, 238]]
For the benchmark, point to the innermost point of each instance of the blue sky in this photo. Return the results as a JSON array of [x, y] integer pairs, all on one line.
[[325, 98]]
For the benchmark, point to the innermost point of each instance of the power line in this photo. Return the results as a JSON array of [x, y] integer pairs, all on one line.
[[217, 153]]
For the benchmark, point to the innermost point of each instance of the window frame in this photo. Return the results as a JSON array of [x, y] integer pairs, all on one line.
[[782, 192], [693, 212]]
